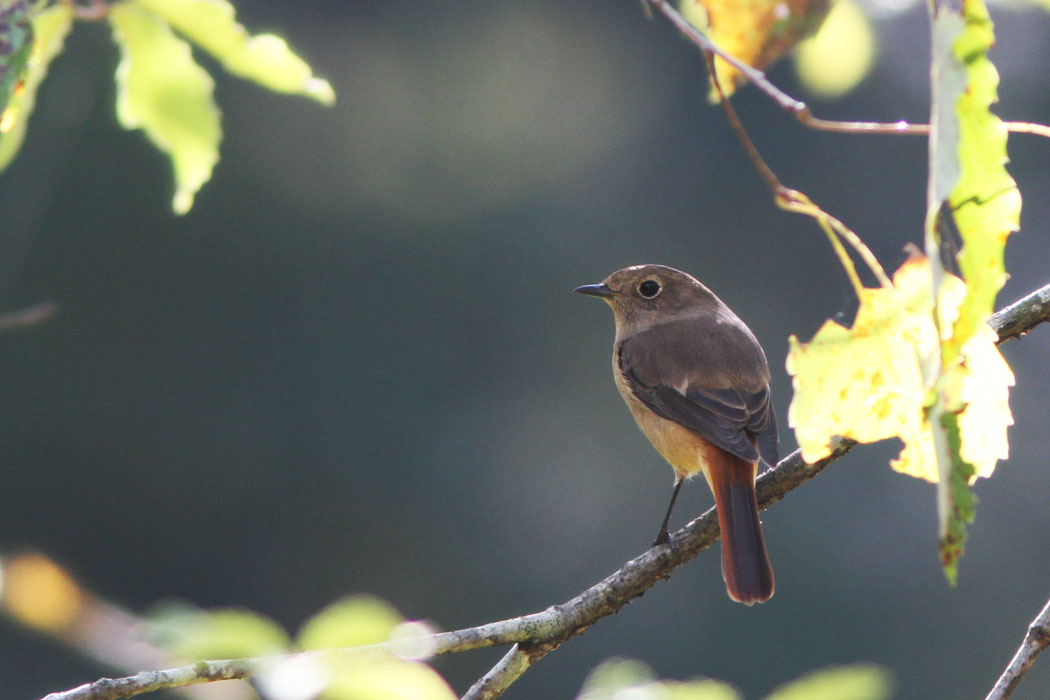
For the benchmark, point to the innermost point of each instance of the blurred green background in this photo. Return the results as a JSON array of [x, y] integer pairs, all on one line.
[[357, 364]]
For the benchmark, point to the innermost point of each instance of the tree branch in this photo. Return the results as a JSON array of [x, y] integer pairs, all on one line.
[[1036, 639], [509, 669], [536, 634], [30, 316], [1021, 316], [800, 109]]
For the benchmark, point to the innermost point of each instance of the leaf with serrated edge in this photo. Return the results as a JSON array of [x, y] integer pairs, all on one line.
[[264, 58], [162, 90], [866, 382], [969, 164], [16, 43], [49, 28]]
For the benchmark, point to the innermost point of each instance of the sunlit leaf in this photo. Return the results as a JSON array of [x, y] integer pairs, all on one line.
[[264, 58], [756, 32], [858, 682], [16, 41], [835, 59], [39, 593], [352, 621], [866, 382], [386, 677], [985, 201], [968, 171], [49, 33], [161, 90], [614, 675], [633, 680], [190, 633]]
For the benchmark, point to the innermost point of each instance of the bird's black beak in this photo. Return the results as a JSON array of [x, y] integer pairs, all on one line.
[[595, 290]]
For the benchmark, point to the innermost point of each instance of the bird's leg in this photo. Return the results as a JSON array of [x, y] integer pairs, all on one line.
[[663, 537]]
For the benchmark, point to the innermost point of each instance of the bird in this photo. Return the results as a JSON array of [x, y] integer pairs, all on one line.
[[696, 380]]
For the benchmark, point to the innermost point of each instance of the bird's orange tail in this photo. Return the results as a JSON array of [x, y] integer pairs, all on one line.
[[745, 563]]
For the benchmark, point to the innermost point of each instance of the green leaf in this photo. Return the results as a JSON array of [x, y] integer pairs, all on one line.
[[628, 678], [16, 41], [264, 58], [968, 172], [857, 682], [386, 677], [162, 90], [352, 621], [614, 675], [985, 201], [190, 634], [963, 503], [49, 29]]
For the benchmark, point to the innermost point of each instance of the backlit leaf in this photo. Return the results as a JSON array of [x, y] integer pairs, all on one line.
[[352, 621], [757, 32], [968, 171], [628, 678], [866, 382], [49, 33], [835, 59], [387, 677], [162, 90], [189, 633], [16, 41], [264, 58], [858, 682]]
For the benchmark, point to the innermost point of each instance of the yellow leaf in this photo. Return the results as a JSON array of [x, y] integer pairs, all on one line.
[[49, 29], [867, 382], [870, 382], [388, 677], [352, 621], [189, 633], [162, 90], [39, 593], [757, 32], [264, 58], [835, 59], [985, 392]]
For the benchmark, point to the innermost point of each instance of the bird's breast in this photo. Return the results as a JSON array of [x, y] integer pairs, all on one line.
[[686, 451]]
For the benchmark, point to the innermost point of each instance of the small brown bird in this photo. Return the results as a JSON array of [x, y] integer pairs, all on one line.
[[697, 382]]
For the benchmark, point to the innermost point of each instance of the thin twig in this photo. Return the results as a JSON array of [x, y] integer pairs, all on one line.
[[799, 109], [741, 133], [1021, 316], [509, 669], [200, 672], [30, 316], [1036, 639], [795, 201], [538, 633]]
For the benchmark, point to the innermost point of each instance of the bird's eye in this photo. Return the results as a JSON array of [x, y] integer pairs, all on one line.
[[649, 288]]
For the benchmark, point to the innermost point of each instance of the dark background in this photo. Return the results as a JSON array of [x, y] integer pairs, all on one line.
[[357, 364]]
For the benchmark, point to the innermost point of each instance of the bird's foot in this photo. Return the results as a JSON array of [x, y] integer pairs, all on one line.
[[664, 537]]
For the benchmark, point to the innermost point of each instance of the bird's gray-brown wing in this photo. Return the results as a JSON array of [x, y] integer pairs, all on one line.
[[711, 379]]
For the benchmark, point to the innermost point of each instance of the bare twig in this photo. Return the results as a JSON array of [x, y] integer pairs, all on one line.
[[536, 634], [1021, 316], [200, 672], [509, 669], [1036, 639], [38, 313], [800, 109]]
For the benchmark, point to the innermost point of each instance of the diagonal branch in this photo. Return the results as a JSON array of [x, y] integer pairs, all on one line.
[[800, 109], [1036, 639], [536, 634]]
